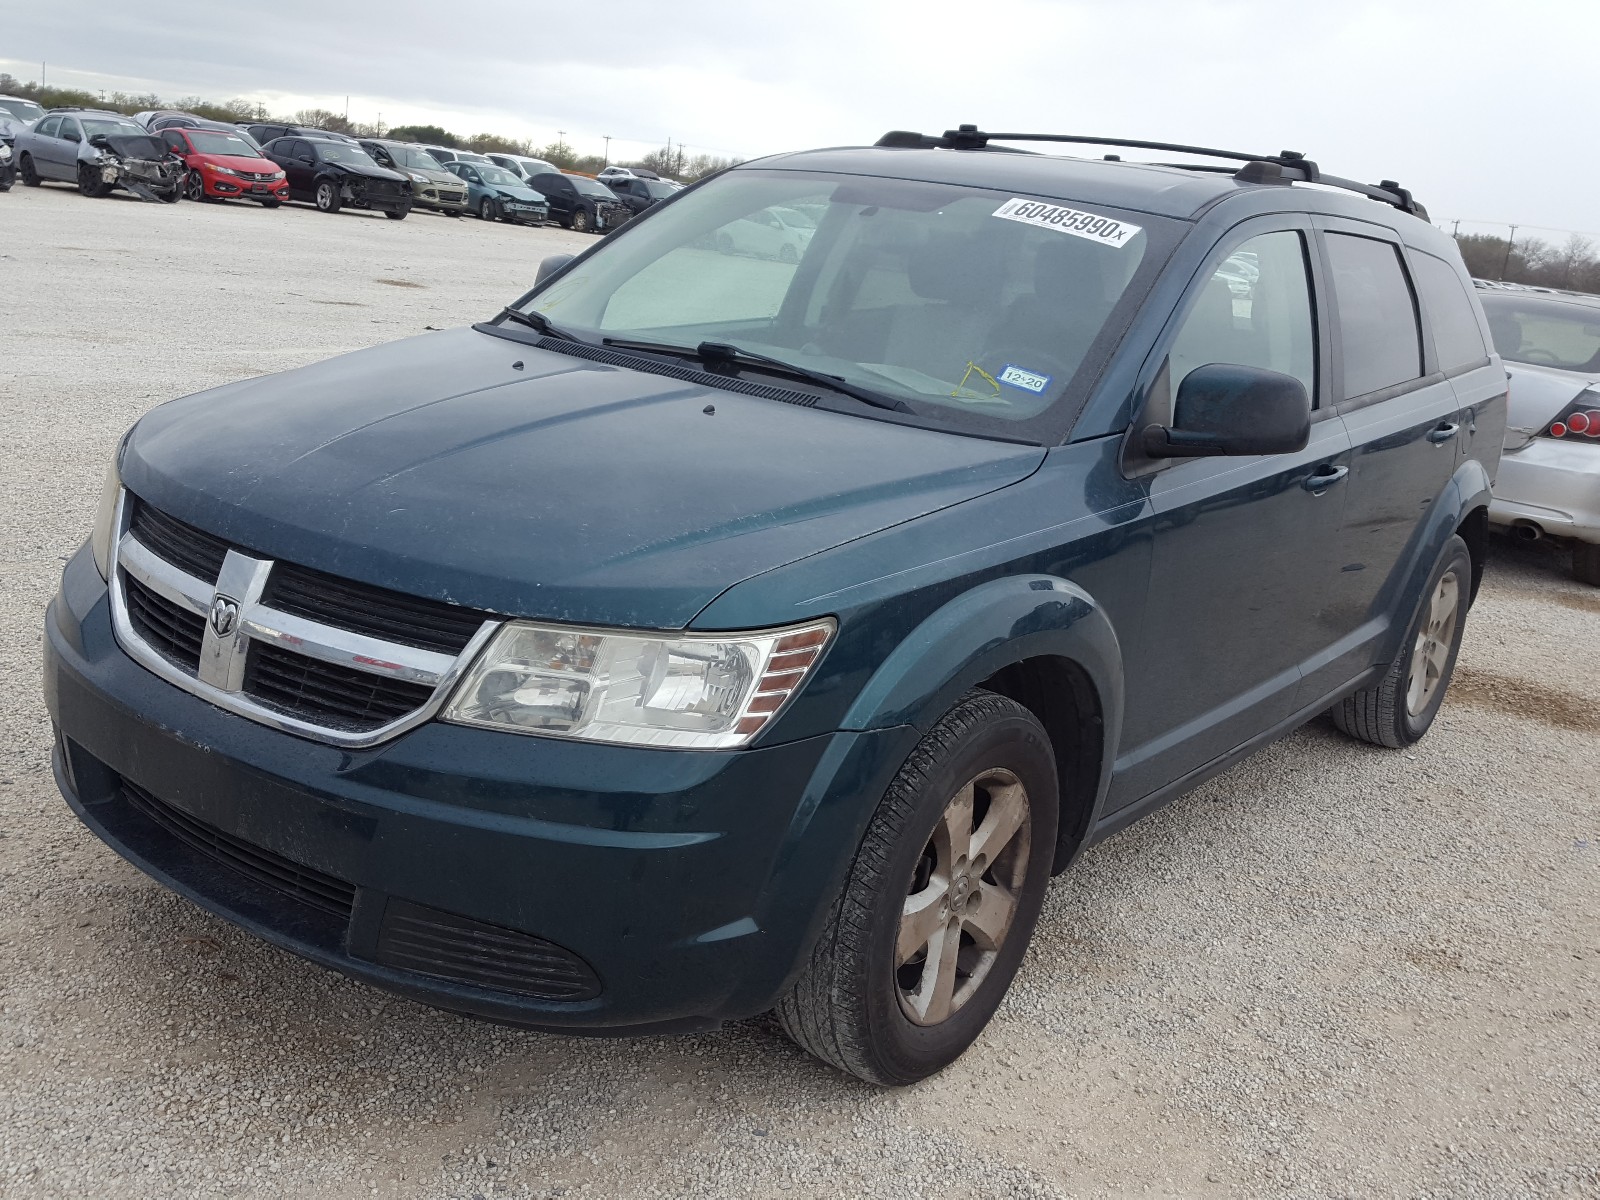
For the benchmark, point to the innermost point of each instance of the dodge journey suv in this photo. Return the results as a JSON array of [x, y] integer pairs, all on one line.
[[708, 634]]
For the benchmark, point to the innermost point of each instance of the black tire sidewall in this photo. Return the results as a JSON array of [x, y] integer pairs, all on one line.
[[908, 1052], [1455, 555]]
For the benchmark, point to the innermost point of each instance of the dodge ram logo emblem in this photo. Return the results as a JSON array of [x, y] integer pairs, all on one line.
[[224, 616]]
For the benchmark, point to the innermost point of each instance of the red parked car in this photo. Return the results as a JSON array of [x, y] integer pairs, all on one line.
[[223, 166]]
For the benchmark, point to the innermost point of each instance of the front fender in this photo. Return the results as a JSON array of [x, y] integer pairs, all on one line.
[[986, 629]]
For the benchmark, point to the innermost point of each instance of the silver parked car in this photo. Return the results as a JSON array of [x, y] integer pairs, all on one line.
[[1549, 481], [99, 151]]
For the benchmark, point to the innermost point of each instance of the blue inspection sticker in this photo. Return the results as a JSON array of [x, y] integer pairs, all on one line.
[[1021, 377]]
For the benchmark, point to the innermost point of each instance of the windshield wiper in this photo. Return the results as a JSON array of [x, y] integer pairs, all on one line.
[[730, 355], [539, 322]]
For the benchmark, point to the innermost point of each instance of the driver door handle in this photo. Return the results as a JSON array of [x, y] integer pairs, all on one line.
[[1443, 431], [1324, 476]]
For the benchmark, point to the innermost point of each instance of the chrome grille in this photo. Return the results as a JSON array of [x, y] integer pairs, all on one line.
[[309, 653]]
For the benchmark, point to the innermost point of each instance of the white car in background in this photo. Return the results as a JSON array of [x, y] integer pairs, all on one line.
[[1549, 479], [779, 233]]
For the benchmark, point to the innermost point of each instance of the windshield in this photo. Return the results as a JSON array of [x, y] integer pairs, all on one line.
[[500, 177], [207, 141], [658, 191], [22, 110], [588, 187], [1545, 332], [971, 306], [413, 158], [94, 125], [341, 152]]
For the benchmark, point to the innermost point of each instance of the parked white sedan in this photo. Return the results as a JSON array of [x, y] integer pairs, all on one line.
[[1549, 480], [780, 233]]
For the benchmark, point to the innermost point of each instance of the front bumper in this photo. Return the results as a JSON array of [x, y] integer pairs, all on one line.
[[225, 188], [690, 884], [1551, 483], [429, 197]]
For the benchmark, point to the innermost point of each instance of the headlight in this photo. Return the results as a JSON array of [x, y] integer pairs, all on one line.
[[416, 178], [105, 518], [701, 691]]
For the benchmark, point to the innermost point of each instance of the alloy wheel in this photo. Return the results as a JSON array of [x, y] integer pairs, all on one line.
[[1431, 651], [194, 188], [962, 897], [325, 197], [580, 221]]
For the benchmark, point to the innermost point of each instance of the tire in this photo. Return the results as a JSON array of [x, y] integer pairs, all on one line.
[[30, 177], [174, 195], [724, 243], [395, 215], [864, 1000], [1401, 707], [272, 204], [326, 196], [488, 210], [580, 221], [450, 212], [788, 254], [1586, 563], [88, 184], [194, 186]]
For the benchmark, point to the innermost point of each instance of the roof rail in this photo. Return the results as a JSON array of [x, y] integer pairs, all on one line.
[[1287, 166]]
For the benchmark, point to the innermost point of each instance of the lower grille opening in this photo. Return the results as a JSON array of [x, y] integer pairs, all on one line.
[[170, 629], [305, 884], [447, 946], [326, 694]]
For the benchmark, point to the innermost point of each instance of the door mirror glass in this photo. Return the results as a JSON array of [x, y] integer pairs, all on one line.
[[1224, 408], [549, 266]]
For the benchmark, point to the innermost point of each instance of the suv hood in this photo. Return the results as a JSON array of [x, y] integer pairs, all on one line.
[[368, 170], [469, 468]]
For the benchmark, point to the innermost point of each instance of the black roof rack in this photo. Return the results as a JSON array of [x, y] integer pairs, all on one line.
[[1288, 166]]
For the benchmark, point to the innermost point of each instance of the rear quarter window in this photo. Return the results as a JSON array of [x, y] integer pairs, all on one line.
[[1457, 336]]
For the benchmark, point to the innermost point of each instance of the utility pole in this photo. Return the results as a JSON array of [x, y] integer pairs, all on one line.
[[347, 109], [1507, 263], [1455, 228], [607, 138]]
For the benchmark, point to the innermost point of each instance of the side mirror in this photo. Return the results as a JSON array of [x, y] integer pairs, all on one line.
[[549, 266], [1223, 408], [100, 140]]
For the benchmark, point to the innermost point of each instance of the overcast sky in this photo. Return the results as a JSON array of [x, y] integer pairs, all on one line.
[[1484, 109]]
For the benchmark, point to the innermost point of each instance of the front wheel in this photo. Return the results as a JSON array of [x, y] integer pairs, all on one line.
[[488, 210], [940, 902], [272, 204], [89, 182], [30, 176], [194, 186], [396, 214], [580, 221], [327, 196], [1399, 709]]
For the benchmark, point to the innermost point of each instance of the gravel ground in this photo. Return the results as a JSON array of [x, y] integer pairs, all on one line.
[[1333, 971]]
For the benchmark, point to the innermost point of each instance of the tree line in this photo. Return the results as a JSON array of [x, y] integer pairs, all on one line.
[[1572, 264], [668, 160]]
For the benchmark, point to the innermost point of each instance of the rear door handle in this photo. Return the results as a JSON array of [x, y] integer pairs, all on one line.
[[1323, 476], [1443, 431]]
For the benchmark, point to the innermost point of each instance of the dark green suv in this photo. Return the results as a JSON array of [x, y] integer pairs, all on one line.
[[707, 634]]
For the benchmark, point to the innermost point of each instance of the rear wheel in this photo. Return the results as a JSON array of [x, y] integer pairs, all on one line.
[[327, 196], [580, 221], [1586, 563], [940, 902], [25, 168], [1401, 707]]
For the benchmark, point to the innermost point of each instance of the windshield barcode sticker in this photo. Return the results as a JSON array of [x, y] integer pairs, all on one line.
[[1096, 228]]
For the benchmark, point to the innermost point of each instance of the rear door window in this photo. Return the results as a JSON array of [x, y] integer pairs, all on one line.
[[1380, 342], [1457, 336]]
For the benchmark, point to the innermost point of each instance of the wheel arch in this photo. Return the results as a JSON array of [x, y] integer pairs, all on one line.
[[1038, 639]]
